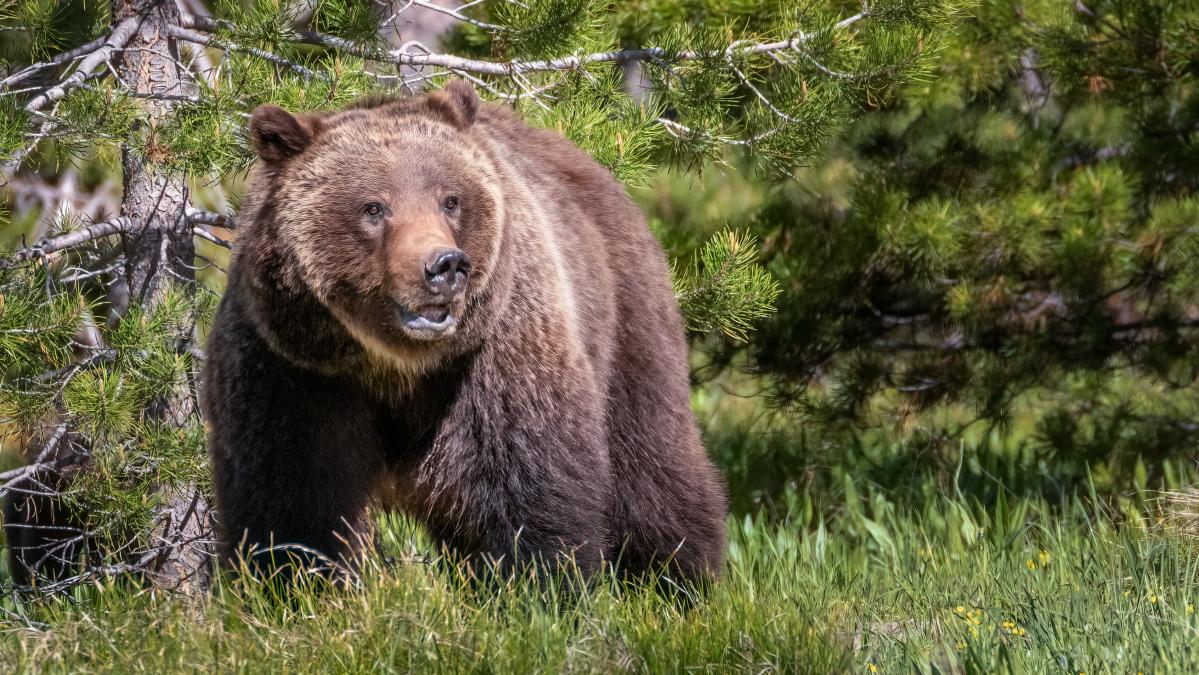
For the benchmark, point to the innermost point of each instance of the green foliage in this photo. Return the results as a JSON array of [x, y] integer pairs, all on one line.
[[347, 82], [779, 109], [1005, 249], [200, 139], [125, 482], [786, 106], [611, 127], [13, 122], [103, 404], [725, 288], [548, 28], [89, 112], [35, 327], [93, 118], [262, 23], [108, 395], [357, 21], [33, 30]]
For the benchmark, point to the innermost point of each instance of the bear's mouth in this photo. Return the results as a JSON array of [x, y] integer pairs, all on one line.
[[427, 323]]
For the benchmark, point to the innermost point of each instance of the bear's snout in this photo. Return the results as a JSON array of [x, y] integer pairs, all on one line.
[[429, 313], [446, 270]]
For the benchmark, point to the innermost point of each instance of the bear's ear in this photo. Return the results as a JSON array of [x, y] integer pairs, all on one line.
[[279, 135], [458, 101]]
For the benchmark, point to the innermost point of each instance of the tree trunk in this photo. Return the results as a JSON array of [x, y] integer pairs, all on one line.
[[159, 251]]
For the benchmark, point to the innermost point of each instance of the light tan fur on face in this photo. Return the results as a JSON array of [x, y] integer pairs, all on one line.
[[415, 227], [365, 137], [407, 244], [392, 372]]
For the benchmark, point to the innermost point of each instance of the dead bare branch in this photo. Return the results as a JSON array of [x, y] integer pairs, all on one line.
[[208, 236], [222, 43], [448, 11], [511, 68], [12, 478], [69, 55], [71, 239], [198, 217]]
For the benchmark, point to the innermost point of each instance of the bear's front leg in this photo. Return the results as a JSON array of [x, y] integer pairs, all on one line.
[[519, 476], [295, 457]]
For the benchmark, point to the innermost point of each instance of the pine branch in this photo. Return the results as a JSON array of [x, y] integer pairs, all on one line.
[[198, 217], [70, 55], [221, 43], [117, 39], [725, 287], [70, 240], [402, 57], [108, 228]]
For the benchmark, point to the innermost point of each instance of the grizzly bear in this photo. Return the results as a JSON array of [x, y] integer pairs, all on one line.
[[435, 307]]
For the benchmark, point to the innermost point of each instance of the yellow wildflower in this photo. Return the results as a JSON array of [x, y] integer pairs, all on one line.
[[1045, 558], [871, 667], [1013, 628], [1190, 609], [1031, 565], [1152, 598], [961, 646]]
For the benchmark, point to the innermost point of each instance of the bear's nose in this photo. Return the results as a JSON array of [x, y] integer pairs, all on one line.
[[446, 270]]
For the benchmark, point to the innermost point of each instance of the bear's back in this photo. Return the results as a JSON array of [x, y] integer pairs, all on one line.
[[618, 271], [665, 489]]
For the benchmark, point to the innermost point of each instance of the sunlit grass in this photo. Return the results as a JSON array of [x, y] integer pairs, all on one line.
[[1021, 591]]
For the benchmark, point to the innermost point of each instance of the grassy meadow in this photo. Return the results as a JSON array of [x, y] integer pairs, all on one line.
[[1017, 588], [888, 553]]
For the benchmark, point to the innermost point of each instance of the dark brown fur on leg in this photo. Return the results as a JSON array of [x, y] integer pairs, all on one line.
[[505, 480], [321, 475]]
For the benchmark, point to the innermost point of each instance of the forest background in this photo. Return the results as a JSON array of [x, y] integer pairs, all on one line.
[[938, 261]]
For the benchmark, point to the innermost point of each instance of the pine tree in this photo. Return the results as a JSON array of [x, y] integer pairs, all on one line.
[[1006, 248], [100, 319]]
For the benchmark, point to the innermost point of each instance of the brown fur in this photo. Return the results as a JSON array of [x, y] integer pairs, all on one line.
[[554, 419]]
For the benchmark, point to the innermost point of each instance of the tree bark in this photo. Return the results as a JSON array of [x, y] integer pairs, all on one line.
[[159, 252]]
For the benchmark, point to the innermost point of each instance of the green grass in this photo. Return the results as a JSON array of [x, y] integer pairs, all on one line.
[[1009, 589]]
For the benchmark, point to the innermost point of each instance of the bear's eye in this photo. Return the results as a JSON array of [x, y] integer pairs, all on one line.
[[450, 205], [373, 209]]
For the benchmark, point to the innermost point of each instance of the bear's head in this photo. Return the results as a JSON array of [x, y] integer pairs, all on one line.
[[388, 213]]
